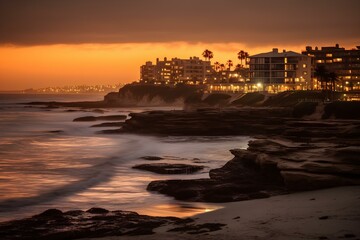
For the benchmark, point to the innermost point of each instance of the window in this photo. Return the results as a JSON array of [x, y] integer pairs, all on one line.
[[320, 61], [304, 65], [305, 73], [329, 55]]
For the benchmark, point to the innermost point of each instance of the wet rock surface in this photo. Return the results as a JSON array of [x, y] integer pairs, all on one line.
[[208, 122], [167, 168], [152, 158], [108, 124], [102, 118], [54, 224], [271, 167]]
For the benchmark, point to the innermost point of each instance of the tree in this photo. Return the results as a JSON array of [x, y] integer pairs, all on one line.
[[217, 66], [322, 75], [207, 54], [229, 63], [242, 55], [222, 67], [333, 78]]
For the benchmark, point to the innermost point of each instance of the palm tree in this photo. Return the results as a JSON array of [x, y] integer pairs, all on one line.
[[207, 54], [333, 78], [242, 55], [217, 66], [229, 63], [322, 74], [222, 67]]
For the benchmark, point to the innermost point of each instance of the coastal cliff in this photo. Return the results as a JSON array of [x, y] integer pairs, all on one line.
[[150, 95]]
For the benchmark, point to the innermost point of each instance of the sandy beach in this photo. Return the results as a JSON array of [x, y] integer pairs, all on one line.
[[322, 214]]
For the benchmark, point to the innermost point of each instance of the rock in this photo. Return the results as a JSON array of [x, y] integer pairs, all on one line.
[[76, 224], [109, 124], [239, 179], [208, 122], [97, 211], [50, 213], [103, 118], [270, 167], [56, 131], [166, 168], [151, 158], [198, 228]]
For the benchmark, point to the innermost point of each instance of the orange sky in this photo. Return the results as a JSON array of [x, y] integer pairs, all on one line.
[[91, 64]]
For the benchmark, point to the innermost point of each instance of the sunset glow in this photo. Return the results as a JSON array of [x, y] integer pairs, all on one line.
[[23, 67]]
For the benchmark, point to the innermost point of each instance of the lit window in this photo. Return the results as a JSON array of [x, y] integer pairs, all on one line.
[[329, 61], [305, 72], [320, 61], [329, 55], [337, 60], [304, 65]]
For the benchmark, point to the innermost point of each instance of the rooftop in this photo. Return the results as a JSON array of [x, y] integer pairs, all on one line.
[[275, 53]]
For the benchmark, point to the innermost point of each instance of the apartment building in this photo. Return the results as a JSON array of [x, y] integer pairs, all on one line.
[[280, 71], [344, 62], [189, 71]]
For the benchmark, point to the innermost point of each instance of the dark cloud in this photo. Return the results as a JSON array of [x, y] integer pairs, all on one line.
[[252, 22]]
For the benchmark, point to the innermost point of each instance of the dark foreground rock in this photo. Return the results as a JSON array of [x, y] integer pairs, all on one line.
[[54, 224], [208, 122], [271, 167], [167, 168], [109, 124], [102, 118], [152, 158]]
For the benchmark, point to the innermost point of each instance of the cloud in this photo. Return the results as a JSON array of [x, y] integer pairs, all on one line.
[[252, 22]]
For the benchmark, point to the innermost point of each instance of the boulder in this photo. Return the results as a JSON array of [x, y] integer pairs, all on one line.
[[166, 168]]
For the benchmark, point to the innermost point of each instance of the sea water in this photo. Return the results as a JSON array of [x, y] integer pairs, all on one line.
[[49, 161]]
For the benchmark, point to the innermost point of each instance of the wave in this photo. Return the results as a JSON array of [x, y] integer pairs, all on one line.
[[96, 174]]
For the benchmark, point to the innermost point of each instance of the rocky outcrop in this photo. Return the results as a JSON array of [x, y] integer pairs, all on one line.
[[270, 167], [210, 122], [151, 95], [109, 124], [100, 118], [308, 166], [54, 224], [167, 168], [244, 121]]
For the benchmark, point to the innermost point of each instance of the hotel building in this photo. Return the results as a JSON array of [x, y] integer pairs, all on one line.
[[189, 71], [345, 63], [280, 71]]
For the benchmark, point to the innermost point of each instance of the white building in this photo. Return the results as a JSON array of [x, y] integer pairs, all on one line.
[[280, 71]]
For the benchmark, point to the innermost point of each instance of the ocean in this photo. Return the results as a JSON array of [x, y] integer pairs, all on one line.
[[49, 161]]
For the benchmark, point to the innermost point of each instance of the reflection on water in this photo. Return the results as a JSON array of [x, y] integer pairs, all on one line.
[[179, 209], [79, 169]]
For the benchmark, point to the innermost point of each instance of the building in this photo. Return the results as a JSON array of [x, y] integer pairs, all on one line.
[[189, 71], [148, 72], [280, 71], [345, 63]]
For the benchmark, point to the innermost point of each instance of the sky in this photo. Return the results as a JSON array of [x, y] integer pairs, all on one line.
[[72, 42]]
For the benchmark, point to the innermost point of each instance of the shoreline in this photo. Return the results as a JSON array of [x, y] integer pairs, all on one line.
[[322, 214], [331, 213], [330, 147]]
